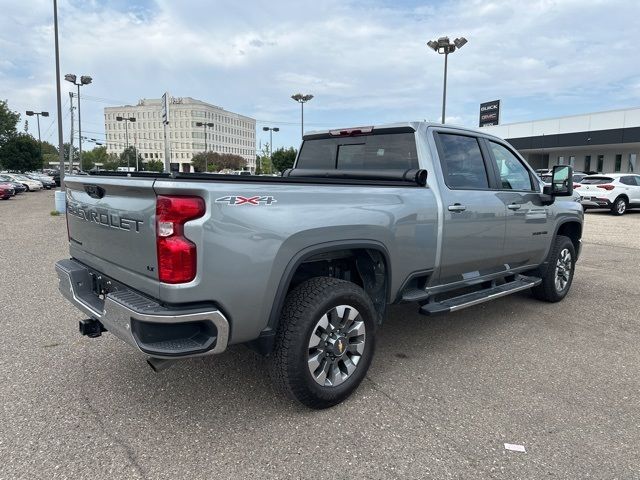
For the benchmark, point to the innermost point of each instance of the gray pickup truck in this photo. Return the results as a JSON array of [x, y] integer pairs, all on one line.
[[302, 267]]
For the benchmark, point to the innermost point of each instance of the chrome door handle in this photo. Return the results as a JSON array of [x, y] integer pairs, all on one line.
[[456, 207], [514, 206]]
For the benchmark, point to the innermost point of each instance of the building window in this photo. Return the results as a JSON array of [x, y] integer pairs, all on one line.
[[618, 165], [632, 162], [587, 163], [600, 163], [561, 160], [572, 160]]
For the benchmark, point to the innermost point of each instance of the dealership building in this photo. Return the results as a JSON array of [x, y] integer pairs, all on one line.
[[604, 142]]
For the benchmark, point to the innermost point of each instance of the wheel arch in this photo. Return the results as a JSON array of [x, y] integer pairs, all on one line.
[[364, 253]]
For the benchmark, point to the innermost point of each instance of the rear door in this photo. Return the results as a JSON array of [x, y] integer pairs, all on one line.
[[474, 215], [527, 233], [111, 224], [631, 186]]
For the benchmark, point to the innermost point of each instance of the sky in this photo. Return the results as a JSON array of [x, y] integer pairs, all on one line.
[[365, 62]]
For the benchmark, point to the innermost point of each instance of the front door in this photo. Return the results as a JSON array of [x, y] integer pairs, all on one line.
[[527, 232], [474, 215]]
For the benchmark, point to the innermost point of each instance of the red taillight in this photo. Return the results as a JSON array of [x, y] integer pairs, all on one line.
[[606, 187], [177, 258], [576, 185]]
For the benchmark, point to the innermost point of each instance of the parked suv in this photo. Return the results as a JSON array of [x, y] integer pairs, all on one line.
[[615, 191]]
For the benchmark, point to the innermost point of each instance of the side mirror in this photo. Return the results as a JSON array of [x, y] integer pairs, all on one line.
[[561, 182]]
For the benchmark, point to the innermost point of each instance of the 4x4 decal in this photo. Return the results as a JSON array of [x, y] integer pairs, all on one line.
[[240, 200]]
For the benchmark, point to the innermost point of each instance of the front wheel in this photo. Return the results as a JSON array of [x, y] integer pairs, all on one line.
[[325, 342], [558, 277]]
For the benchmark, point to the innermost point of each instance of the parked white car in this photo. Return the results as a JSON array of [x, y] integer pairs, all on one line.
[[614, 191], [31, 184]]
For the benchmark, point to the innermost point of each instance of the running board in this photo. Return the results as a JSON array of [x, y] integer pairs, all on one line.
[[470, 299]]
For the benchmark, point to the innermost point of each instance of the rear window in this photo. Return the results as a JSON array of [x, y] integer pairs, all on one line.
[[596, 180], [369, 152]]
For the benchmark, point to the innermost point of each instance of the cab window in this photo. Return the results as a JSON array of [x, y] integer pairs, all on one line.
[[513, 174], [462, 162]]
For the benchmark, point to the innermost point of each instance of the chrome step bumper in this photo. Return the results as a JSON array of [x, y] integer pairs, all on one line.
[[142, 322]]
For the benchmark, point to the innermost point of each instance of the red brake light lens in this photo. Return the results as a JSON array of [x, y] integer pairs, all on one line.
[[606, 187], [177, 256]]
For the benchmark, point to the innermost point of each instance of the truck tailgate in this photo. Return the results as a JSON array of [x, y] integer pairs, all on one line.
[[112, 228]]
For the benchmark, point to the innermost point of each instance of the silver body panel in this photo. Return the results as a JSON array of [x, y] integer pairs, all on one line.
[[245, 250]]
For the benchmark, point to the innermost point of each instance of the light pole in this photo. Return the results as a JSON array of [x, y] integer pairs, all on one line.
[[58, 97], [204, 126], [126, 121], [31, 113], [444, 46], [301, 99], [84, 80], [270, 130]]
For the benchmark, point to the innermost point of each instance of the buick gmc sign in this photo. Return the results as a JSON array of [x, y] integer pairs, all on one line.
[[490, 113]]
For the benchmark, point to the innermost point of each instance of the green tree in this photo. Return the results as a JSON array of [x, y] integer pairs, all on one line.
[[128, 158], [21, 153], [154, 166], [217, 161], [48, 148], [283, 158], [113, 162], [8, 122], [258, 166], [95, 157], [68, 148]]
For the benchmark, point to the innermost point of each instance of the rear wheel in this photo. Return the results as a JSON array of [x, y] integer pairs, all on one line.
[[619, 206], [325, 342], [558, 277]]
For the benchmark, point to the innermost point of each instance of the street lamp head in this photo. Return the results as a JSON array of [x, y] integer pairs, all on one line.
[[119, 119], [276, 129], [299, 97], [132, 119], [433, 45], [85, 79], [45, 114], [265, 129], [70, 77], [30, 113], [459, 42], [210, 124], [199, 124]]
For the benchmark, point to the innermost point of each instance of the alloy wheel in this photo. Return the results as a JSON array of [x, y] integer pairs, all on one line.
[[336, 345], [564, 265]]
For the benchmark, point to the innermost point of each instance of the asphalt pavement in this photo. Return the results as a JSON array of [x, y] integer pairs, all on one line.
[[441, 399]]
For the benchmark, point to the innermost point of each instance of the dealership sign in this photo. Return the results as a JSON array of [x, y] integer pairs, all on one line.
[[490, 113]]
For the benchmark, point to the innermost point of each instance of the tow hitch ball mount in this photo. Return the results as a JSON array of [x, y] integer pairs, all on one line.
[[91, 327]]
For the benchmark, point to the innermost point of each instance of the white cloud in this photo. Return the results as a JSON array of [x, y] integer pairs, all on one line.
[[365, 63]]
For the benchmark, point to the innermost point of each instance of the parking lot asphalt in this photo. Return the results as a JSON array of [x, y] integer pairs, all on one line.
[[442, 397]]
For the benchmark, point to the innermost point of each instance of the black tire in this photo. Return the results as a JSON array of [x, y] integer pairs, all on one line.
[[548, 289], [27, 188], [304, 307], [620, 206]]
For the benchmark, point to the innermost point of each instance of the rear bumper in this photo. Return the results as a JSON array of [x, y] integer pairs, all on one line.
[[596, 203], [142, 322]]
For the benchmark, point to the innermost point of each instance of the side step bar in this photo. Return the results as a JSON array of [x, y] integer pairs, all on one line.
[[521, 282]]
